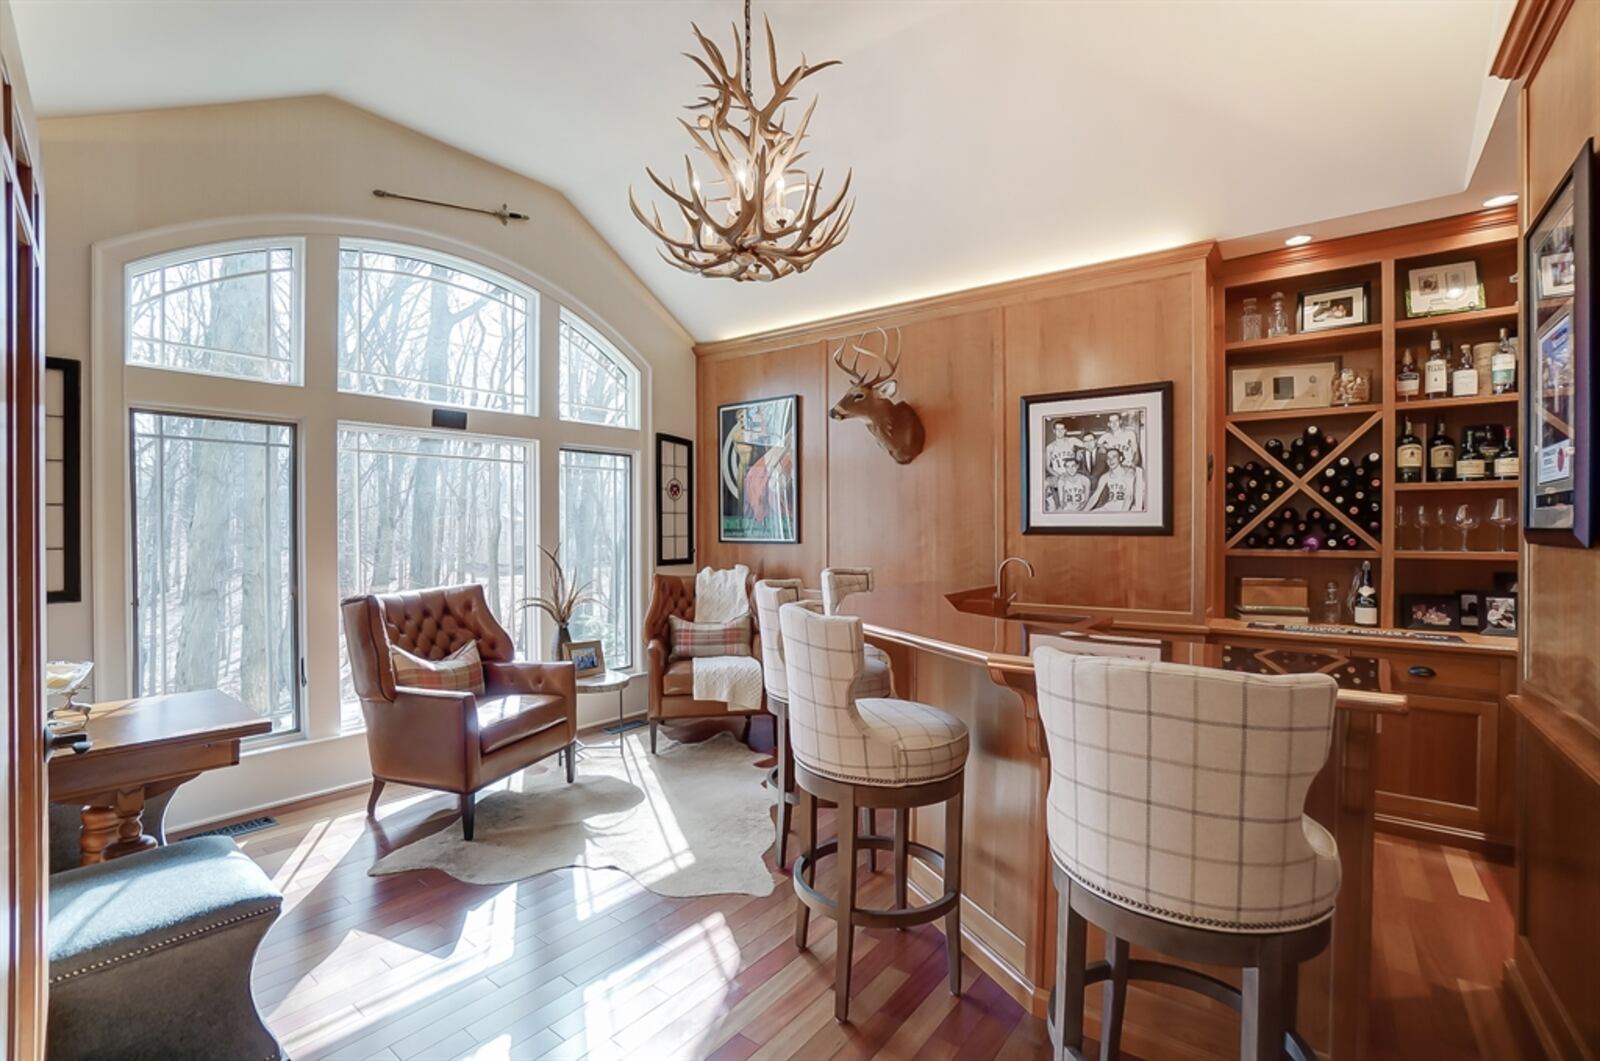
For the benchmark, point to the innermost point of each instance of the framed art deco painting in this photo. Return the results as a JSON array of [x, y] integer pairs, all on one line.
[[758, 471]]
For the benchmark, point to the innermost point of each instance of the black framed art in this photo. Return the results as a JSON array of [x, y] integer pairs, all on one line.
[[1558, 336], [1098, 461], [63, 523], [758, 471], [674, 500]]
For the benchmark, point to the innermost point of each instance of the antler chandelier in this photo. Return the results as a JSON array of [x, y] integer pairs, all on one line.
[[760, 217]]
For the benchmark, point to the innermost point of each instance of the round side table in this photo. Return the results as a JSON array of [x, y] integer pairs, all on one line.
[[607, 682]]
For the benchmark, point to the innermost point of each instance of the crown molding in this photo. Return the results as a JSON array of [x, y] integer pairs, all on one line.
[[1527, 38]]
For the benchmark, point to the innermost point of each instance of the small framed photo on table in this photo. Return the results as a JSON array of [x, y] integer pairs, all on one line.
[[1337, 307], [587, 657], [1098, 461], [1499, 615], [1431, 611]]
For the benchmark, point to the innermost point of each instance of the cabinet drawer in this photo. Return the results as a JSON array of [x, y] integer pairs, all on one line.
[[1475, 677]]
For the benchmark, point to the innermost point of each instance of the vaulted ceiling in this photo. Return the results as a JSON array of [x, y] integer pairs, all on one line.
[[989, 140]]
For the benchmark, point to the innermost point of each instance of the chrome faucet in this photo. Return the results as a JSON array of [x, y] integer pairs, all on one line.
[[1000, 595]]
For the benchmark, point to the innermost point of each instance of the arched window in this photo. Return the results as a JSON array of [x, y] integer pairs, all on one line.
[[223, 310], [418, 325], [598, 385]]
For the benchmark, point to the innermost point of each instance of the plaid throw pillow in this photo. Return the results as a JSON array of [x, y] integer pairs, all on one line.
[[460, 672], [731, 638]]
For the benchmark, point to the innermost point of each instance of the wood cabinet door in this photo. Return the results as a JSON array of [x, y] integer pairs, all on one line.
[[1437, 762]]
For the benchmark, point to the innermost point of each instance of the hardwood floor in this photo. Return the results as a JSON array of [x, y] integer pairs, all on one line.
[[582, 963]]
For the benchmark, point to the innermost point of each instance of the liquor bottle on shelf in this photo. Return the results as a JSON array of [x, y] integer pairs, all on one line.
[[1503, 366], [1436, 373], [1506, 463], [1407, 381], [1441, 455], [1464, 381], [1408, 457], [1469, 462], [1366, 607]]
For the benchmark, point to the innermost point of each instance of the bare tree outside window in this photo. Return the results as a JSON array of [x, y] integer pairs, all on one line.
[[214, 554], [597, 546], [598, 385], [418, 510]]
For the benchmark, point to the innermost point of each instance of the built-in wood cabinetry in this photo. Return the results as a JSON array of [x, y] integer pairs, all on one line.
[[1443, 771]]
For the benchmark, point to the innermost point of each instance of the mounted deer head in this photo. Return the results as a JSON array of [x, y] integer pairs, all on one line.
[[895, 425]]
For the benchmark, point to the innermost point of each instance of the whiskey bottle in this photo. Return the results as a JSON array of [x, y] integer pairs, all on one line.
[[1441, 455], [1469, 462], [1408, 381], [1506, 463], [1464, 382], [1366, 609], [1503, 366], [1408, 457], [1436, 373]]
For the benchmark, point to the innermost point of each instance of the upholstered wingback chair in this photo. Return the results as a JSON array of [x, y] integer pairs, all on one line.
[[443, 739], [671, 681]]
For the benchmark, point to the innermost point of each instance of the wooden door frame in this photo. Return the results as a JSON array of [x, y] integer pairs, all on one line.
[[22, 329]]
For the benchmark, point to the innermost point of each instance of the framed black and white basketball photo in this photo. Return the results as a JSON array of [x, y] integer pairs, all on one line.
[[1098, 461]]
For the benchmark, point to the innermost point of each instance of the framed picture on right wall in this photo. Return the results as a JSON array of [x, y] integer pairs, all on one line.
[[1558, 458]]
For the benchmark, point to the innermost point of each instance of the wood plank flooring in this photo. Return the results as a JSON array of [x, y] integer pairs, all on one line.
[[587, 964]]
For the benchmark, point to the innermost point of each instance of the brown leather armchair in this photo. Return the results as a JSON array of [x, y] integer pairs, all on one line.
[[453, 741], [671, 683]]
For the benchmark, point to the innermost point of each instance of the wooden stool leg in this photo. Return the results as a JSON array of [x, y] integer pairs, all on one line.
[[780, 728], [572, 761], [1116, 997], [1072, 941], [869, 825], [952, 883], [902, 837], [1262, 991], [845, 910], [808, 851]]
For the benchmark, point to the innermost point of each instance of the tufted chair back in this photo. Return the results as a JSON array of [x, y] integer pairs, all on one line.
[[839, 582], [674, 595], [772, 594], [430, 623], [1180, 791]]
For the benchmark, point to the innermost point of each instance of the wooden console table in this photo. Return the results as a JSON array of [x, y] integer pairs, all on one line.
[[141, 748]]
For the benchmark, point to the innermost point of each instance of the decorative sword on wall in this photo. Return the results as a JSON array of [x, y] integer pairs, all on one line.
[[505, 213]]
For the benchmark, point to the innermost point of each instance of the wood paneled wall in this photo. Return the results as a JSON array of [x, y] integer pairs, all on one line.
[[1554, 46], [953, 513]]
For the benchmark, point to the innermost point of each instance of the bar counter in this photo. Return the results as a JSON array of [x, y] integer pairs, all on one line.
[[969, 654]]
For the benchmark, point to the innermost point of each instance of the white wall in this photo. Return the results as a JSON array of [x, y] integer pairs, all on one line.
[[113, 176]]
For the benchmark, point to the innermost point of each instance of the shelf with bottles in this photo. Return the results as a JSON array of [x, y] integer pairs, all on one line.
[[1471, 485], [1252, 310], [1316, 570], [1309, 493], [1480, 370], [1460, 455]]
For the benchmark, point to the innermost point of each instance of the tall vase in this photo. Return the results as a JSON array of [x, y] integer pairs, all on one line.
[[563, 636]]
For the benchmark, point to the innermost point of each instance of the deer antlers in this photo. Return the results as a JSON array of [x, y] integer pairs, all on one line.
[[751, 231], [887, 357]]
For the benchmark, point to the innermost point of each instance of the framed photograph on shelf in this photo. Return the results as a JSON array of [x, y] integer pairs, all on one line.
[[1308, 385], [1430, 611], [674, 500], [587, 657], [1450, 288], [758, 471], [1499, 615], [1098, 461], [1469, 609], [1337, 307], [1558, 444]]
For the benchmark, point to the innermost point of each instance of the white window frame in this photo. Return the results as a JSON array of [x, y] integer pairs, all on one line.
[[635, 616], [530, 329], [296, 246], [630, 370], [316, 408]]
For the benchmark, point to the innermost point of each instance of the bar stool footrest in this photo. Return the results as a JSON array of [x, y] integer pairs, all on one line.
[[867, 917]]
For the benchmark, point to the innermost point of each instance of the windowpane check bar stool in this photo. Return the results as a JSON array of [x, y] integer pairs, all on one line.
[[1176, 823], [875, 680], [866, 752]]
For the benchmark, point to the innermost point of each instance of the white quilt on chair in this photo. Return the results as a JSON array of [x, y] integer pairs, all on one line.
[[719, 596]]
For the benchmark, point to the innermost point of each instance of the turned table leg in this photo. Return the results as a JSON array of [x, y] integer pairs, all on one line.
[[112, 827]]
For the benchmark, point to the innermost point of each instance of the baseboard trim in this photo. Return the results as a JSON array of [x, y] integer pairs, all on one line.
[[275, 810], [1540, 1005]]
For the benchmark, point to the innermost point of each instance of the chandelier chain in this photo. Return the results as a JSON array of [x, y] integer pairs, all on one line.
[[747, 90]]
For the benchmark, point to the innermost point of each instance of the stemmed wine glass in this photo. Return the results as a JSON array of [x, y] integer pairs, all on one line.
[[1466, 522], [1502, 516], [1399, 526], [1423, 523]]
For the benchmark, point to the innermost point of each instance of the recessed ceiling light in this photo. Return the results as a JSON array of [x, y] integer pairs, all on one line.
[[1500, 200], [1297, 241]]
